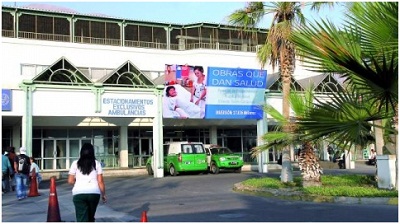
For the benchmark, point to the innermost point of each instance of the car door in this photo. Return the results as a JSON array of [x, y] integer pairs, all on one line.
[[200, 157]]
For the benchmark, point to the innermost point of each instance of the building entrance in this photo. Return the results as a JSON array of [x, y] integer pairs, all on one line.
[[54, 154], [141, 150]]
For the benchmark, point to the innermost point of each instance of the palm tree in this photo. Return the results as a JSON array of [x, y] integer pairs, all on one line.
[[278, 50], [308, 162], [365, 52]]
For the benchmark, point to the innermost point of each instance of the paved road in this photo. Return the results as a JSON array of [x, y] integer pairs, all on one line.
[[194, 198]]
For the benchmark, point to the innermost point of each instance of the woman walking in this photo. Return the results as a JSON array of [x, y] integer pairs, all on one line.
[[86, 174]]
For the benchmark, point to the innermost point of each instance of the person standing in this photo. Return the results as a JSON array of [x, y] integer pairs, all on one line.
[[199, 91], [86, 174], [331, 153], [35, 167], [372, 158], [11, 156], [7, 172], [21, 167]]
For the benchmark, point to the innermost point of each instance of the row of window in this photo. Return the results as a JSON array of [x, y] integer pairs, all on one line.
[[58, 27]]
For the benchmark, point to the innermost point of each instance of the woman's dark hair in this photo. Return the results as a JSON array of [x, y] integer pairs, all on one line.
[[200, 68], [167, 90], [11, 149], [86, 162]]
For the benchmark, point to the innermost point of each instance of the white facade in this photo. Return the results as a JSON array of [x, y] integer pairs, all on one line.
[[69, 107]]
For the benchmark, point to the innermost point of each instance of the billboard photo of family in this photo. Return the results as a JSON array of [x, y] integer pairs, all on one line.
[[185, 92]]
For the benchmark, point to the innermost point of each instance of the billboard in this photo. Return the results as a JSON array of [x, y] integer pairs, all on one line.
[[224, 93], [237, 93]]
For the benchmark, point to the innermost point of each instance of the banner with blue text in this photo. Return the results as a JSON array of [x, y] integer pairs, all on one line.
[[235, 93]]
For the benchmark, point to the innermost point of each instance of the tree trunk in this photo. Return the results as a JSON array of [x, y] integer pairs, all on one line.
[[286, 173], [379, 143], [309, 166], [287, 61]]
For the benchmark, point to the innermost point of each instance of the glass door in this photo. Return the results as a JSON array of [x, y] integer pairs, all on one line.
[[54, 154], [146, 147], [75, 146]]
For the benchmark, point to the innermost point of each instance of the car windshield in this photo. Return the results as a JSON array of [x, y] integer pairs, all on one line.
[[221, 150]]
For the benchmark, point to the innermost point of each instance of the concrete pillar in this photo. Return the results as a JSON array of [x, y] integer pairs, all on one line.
[[262, 128], [181, 44], [158, 137], [213, 135], [348, 160], [27, 117], [325, 154], [123, 146], [386, 168]]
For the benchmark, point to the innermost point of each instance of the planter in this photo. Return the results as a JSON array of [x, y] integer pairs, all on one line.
[[386, 169]]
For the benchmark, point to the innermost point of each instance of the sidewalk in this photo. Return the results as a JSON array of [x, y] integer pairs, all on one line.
[[34, 209]]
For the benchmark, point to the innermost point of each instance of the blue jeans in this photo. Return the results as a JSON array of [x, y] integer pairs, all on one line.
[[21, 180]]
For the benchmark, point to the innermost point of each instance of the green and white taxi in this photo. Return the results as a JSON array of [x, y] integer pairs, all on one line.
[[182, 157], [222, 158]]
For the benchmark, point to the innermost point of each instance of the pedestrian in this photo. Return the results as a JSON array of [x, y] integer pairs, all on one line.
[[11, 156], [331, 153], [372, 158], [7, 171], [22, 165], [86, 174], [35, 167]]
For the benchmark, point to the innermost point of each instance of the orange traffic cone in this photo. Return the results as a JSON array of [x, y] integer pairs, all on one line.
[[53, 212], [144, 217], [33, 189]]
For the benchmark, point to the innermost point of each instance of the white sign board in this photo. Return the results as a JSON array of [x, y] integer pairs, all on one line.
[[128, 105]]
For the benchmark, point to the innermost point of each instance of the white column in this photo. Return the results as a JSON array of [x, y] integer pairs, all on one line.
[[348, 160], [158, 137], [262, 128], [123, 146], [386, 169], [213, 135]]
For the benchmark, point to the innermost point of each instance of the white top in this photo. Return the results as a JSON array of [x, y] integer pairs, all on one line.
[[85, 184], [199, 89], [36, 167]]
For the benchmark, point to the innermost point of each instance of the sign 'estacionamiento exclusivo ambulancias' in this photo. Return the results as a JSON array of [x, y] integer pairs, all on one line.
[[128, 106]]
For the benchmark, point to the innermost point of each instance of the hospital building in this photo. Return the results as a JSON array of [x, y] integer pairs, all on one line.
[[69, 78]]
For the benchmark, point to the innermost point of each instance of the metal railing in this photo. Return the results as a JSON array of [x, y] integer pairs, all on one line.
[[128, 43], [101, 41], [143, 44], [7, 33], [44, 36]]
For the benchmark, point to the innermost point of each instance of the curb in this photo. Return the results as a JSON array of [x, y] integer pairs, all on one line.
[[291, 194]]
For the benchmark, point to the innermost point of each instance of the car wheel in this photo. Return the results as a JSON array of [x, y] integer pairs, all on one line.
[[238, 170], [214, 168], [172, 171], [149, 170]]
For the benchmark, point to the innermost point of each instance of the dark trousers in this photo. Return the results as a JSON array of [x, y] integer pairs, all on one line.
[[85, 206]]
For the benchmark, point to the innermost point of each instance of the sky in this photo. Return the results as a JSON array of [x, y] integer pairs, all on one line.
[[179, 12]]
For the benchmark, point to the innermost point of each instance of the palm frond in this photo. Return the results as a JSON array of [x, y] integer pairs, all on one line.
[[344, 117]]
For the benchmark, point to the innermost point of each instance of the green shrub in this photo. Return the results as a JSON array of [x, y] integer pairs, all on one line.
[[349, 191], [264, 183], [351, 185]]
